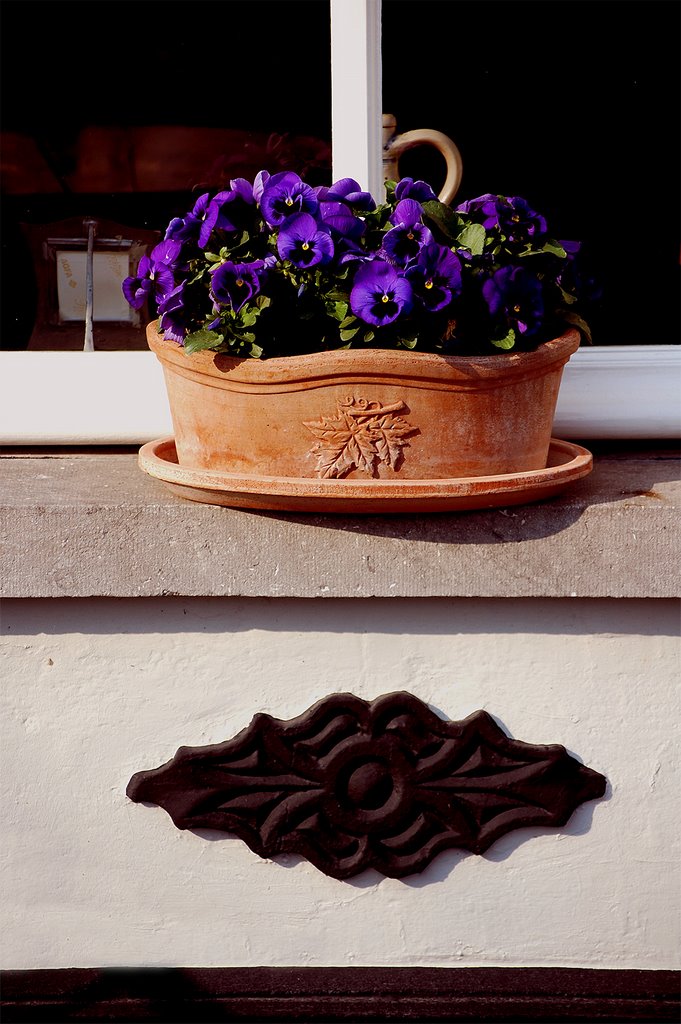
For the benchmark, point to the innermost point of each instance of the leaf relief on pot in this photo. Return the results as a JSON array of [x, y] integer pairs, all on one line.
[[362, 435]]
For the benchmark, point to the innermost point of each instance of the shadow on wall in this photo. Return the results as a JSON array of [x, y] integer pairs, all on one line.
[[418, 616]]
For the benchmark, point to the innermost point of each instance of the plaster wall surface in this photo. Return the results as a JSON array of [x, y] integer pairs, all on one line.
[[96, 690]]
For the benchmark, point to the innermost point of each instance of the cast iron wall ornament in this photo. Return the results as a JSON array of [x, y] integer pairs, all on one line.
[[385, 784]]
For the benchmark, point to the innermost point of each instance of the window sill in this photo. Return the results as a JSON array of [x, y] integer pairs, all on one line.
[[92, 524]]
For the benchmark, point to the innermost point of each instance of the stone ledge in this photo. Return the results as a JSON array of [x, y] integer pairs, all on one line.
[[93, 524]]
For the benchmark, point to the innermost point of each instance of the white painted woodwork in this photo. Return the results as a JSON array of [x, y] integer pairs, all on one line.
[[94, 691], [107, 398], [356, 91]]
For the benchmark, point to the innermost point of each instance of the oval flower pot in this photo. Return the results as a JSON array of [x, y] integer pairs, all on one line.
[[387, 421]]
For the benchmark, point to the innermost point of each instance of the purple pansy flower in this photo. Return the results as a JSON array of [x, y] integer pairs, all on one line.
[[409, 234], [347, 190], [284, 195], [407, 188], [155, 277], [435, 276], [196, 226], [518, 221], [259, 182], [138, 288], [571, 248], [487, 275], [166, 253], [514, 295], [303, 242], [483, 210], [184, 229], [348, 251], [172, 315], [341, 221], [233, 284], [380, 294], [229, 210]]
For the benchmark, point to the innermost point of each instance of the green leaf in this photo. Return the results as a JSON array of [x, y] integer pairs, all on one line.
[[410, 341], [348, 335], [390, 187], [472, 238], [576, 321], [338, 310], [202, 339], [227, 251], [249, 317], [567, 297], [552, 246], [448, 222], [198, 276], [505, 343]]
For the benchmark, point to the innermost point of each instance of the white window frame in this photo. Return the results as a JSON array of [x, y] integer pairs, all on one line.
[[118, 398]]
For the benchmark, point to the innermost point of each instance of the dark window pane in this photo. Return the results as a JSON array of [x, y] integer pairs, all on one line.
[[572, 105], [126, 112]]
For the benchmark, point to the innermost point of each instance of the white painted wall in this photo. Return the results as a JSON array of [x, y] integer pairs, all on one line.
[[94, 691]]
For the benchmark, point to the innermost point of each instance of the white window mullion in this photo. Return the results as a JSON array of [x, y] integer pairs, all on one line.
[[356, 93]]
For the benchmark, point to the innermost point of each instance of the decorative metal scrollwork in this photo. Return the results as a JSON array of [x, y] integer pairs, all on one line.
[[385, 784]]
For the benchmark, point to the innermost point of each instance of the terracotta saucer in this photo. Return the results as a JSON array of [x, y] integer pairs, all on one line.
[[567, 462]]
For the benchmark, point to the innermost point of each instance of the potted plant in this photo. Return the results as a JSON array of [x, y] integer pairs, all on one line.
[[323, 350]]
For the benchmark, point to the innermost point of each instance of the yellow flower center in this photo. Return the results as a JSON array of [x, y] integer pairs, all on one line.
[[305, 246], [385, 298], [516, 308], [289, 201], [428, 284], [239, 282]]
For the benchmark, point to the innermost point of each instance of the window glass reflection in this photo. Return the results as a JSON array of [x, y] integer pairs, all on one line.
[[133, 111], [575, 107]]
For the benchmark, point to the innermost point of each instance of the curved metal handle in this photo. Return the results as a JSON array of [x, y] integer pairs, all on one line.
[[395, 145]]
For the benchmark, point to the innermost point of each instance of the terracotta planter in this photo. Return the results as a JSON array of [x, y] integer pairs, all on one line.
[[363, 415]]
